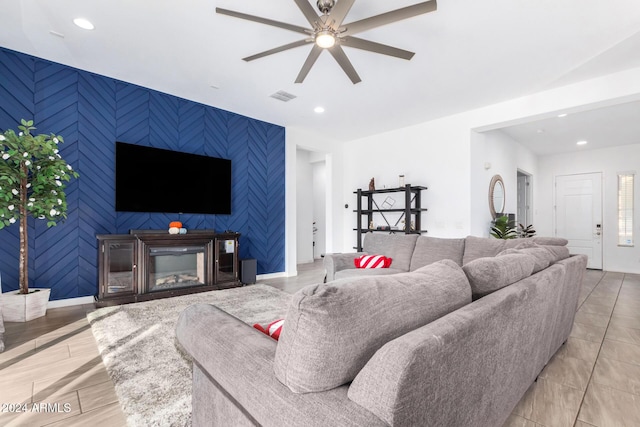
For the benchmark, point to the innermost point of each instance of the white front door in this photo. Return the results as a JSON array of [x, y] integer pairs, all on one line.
[[579, 214]]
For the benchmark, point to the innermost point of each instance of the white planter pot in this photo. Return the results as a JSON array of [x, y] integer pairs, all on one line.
[[22, 308]]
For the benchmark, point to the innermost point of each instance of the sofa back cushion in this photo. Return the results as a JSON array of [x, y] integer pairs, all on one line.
[[489, 274], [431, 249], [542, 257], [333, 329], [480, 247], [399, 247]]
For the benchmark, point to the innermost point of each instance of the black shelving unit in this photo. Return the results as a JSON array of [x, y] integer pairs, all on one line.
[[411, 213]]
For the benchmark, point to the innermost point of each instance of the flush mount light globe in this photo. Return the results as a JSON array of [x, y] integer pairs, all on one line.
[[325, 39]]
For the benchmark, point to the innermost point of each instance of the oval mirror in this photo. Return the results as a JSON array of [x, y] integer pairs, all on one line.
[[496, 196]]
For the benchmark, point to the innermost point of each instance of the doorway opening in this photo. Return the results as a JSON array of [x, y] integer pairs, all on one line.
[[311, 205]]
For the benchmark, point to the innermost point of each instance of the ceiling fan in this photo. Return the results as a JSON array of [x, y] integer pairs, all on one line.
[[328, 32]]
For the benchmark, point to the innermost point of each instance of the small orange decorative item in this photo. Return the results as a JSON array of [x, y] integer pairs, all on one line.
[[176, 224]]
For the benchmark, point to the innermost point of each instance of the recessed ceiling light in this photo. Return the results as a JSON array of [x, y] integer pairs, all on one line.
[[581, 142], [562, 115], [83, 23], [319, 110], [540, 131]]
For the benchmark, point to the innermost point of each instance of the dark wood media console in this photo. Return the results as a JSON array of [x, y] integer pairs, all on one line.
[[147, 264]]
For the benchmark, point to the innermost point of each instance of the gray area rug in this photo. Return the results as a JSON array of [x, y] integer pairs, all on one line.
[[152, 376]]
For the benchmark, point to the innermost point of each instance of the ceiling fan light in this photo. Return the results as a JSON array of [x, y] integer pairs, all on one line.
[[325, 39]]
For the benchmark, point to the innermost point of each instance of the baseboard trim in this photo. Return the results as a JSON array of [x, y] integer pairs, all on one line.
[[69, 302], [271, 276]]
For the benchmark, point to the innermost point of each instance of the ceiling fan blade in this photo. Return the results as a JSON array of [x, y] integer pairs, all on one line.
[[308, 11], [277, 49], [311, 59], [376, 47], [343, 61], [389, 17], [261, 20], [339, 12]]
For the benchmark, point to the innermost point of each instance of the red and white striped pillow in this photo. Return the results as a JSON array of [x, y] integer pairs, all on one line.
[[273, 329], [372, 261]]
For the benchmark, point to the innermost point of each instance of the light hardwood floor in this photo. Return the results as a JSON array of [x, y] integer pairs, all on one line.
[[593, 380]]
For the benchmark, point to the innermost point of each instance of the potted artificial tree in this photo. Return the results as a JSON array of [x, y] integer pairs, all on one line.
[[32, 183]]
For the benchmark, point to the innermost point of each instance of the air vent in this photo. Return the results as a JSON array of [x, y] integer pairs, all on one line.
[[283, 96]]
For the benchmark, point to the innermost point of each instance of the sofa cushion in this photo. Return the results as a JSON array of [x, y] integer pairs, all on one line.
[[480, 247], [431, 249], [542, 256], [550, 241], [558, 253], [397, 246], [489, 274], [333, 329], [365, 272]]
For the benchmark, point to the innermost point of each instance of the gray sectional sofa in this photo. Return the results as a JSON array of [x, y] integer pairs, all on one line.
[[453, 337]]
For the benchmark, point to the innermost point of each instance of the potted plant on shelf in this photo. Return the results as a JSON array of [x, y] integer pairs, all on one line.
[[32, 183]]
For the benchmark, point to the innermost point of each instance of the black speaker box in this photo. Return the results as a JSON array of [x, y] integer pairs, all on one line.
[[248, 270]]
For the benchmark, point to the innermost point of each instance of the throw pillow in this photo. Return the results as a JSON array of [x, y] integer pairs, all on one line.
[[372, 261], [273, 329]]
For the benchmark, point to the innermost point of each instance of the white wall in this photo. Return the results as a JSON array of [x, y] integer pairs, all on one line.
[[433, 154], [504, 156], [608, 161]]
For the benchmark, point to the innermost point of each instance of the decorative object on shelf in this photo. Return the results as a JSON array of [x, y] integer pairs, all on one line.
[[525, 232], [388, 202], [32, 183], [175, 227], [503, 228], [400, 180], [372, 184], [371, 225], [497, 196]]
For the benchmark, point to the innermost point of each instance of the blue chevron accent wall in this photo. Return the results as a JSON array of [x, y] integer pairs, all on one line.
[[91, 112]]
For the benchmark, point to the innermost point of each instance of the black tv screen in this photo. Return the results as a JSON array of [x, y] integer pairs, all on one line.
[[155, 180]]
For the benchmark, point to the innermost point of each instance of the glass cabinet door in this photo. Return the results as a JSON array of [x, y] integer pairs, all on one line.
[[225, 263], [121, 268]]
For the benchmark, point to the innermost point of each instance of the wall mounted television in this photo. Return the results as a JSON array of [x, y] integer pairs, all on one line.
[[156, 180]]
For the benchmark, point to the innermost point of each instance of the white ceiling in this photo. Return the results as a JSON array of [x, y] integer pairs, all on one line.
[[603, 127], [469, 54]]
